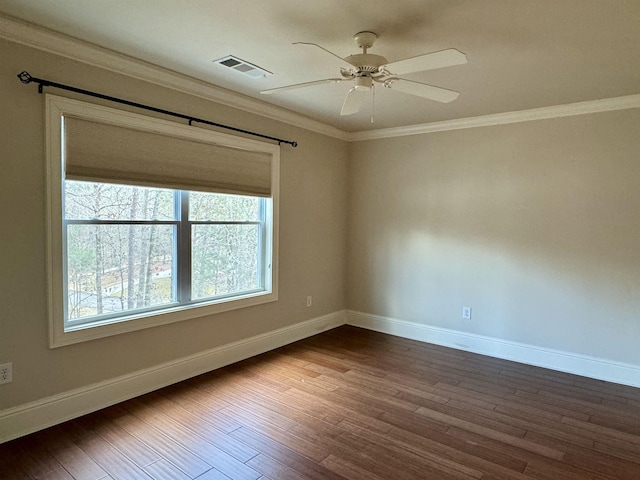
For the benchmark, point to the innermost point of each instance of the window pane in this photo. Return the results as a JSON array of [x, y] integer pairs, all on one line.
[[225, 208], [225, 260], [116, 268], [110, 201]]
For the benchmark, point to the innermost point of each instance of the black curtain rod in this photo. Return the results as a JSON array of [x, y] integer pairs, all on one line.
[[26, 78]]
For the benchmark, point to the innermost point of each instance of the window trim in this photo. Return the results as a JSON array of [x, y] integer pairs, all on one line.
[[58, 107]]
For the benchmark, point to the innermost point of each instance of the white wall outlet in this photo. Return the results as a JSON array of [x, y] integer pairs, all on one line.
[[466, 313], [309, 301], [6, 372]]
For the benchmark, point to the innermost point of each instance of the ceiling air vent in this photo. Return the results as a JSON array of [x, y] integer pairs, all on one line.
[[246, 68]]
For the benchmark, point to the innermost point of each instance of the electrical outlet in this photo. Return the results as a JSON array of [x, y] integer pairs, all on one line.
[[309, 301], [6, 373], [466, 313]]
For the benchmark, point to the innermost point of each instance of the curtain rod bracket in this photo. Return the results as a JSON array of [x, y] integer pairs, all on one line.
[[26, 78]]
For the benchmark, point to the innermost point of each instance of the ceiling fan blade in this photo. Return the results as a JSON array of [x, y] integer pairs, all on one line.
[[353, 102], [429, 61], [422, 90], [305, 84], [340, 60]]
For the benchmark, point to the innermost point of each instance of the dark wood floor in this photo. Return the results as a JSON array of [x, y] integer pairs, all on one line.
[[351, 404]]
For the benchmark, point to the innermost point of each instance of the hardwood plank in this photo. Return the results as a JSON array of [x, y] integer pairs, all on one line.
[[539, 425], [10, 469], [616, 422], [590, 459], [559, 470], [282, 403], [529, 403], [612, 433], [564, 401], [472, 455], [630, 453], [161, 442], [422, 397], [196, 445], [110, 459], [273, 468], [34, 458], [214, 474], [202, 428], [396, 462], [397, 449], [293, 441], [137, 451], [163, 469], [352, 404], [537, 463], [73, 459], [196, 402], [245, 405], [348, 470], [282, 454], [471, 420], [60, 474]]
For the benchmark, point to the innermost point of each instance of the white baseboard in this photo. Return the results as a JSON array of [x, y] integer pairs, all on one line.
[[28, 418], [578, 364]]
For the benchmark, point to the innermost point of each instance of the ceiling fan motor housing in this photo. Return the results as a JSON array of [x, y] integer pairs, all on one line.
[[366, 62]]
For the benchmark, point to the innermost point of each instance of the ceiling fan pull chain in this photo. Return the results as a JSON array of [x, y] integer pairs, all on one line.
[[373, 102]]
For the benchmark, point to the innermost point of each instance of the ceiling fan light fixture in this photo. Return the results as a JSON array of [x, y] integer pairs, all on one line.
[[363, 83]]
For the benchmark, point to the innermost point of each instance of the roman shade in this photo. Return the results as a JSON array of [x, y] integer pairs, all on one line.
[[96, 151]]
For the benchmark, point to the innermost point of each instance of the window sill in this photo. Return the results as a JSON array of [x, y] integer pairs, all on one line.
[[82, 333]]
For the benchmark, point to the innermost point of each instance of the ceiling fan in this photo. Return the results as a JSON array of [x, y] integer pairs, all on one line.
[[366, 69]]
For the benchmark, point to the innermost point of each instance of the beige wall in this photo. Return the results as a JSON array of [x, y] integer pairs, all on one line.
[[534, 225], [312, 233]]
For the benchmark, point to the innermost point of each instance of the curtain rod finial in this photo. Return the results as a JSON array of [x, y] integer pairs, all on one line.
[[25, 77]]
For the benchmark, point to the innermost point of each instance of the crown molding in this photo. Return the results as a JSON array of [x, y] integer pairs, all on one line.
[[18, 31], [41, 38], [556, 111]]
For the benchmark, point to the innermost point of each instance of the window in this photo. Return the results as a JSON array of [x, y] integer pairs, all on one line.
[[122, 255], [153, 222]]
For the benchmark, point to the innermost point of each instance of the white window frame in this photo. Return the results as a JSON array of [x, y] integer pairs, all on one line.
[[59, 333]]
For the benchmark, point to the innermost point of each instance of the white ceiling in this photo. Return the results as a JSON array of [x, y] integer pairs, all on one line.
[[522, 54]]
